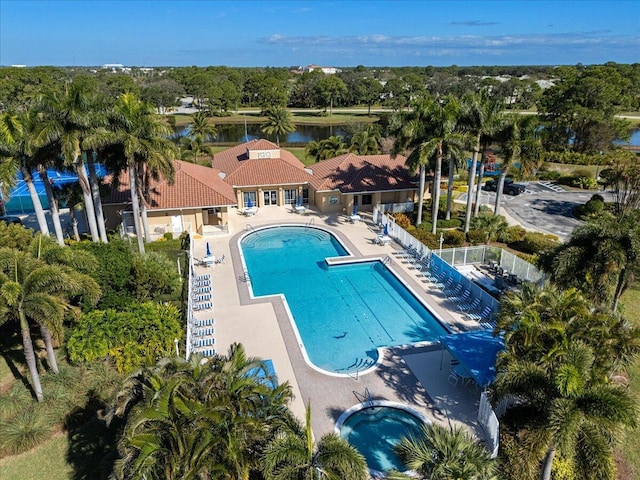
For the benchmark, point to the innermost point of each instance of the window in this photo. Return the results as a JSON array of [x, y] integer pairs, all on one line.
[[246, 196], [290, 196], [264, 154], [366, 199], [305, 195]]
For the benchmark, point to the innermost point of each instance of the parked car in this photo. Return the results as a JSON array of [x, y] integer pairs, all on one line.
[[10, 219], [509, 188]]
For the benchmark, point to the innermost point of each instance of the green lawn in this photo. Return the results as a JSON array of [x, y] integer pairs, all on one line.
[[312, 117], [46, 461], [631, 446]]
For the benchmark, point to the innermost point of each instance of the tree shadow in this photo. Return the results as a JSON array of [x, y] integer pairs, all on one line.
[[555, 207], [13, 354], [92, 449]]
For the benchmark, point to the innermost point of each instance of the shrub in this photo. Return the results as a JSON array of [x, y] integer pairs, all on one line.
[[24, 431], [536, 242], [511, 234], [139, 336], [402, 220], [114, 272], [427, 238], [14, 235], [453, 238], [582, 172], [594, 206], [476, 237], [168, 236], [154, 276], [452, 223]]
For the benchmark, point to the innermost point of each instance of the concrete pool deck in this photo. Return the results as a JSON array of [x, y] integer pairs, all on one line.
[[412, 375]]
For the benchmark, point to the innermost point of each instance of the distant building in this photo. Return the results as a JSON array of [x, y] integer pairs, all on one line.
[[325, 70], [18, 66], [116, 67]]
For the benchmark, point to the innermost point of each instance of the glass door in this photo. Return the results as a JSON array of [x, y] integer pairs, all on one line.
[[270, 197]]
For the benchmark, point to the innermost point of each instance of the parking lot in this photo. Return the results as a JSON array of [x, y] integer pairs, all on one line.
[[544, 207]]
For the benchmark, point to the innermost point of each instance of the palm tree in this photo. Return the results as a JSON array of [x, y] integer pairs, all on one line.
[[18, 147], [520, 141], [33, 291], [411, 131], [143, 138], [279, 122], [578, 413], [201, 132], [293, 456], [70, 195], [491, 225], [601, 257], [509, 139], [445, 454], [446, 139], [481, 117], [69, 120], [198, 419], [366, 141], [330, 147]]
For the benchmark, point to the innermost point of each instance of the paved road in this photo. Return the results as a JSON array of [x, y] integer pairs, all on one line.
[[544, 207]]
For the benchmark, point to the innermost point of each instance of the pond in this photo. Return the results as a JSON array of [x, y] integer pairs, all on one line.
[[235, 133]]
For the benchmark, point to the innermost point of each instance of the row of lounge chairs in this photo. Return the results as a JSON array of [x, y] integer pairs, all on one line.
[[456, 291], [202, 330]]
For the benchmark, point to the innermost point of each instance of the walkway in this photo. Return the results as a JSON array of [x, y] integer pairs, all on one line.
[[410, 376]]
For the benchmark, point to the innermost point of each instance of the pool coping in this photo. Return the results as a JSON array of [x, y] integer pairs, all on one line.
[[348, 259]]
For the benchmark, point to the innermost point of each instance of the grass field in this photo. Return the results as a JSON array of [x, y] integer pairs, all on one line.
[[48, 461], [299, 118]]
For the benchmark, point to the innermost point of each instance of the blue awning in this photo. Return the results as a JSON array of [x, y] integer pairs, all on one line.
[[477, 351], [266, 374]]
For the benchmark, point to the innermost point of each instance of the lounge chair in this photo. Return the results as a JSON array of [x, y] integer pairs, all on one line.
[[455, 293], [461, 298], [220, 259], [469, 307]]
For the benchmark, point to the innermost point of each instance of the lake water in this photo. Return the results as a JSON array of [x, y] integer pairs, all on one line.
[[235, 133]]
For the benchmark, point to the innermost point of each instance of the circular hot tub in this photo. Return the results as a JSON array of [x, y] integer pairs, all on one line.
[[376, 428]]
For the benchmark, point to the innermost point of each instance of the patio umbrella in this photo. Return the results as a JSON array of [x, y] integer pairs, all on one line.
[[386, 229], [355, 208], [208, 250], [249, 203], [299, 202]]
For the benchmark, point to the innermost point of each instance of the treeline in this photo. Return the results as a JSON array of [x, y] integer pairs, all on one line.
[[578, 105]]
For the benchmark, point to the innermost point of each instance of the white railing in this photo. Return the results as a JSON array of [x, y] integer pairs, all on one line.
[[189, 314], [396, 207], [489, 422]]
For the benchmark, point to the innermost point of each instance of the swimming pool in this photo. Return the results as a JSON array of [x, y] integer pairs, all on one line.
[[343, 313], [375, 431]]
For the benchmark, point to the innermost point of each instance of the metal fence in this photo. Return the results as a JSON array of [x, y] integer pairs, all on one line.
[[405, 207], [490, 424], [484, 254], [438, 260]]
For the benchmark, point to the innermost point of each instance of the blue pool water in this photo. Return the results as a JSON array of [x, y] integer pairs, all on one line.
[[375, 431], [343, 313]]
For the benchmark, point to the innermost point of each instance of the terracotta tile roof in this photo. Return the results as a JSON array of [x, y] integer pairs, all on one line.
[[194, 186], [228, 161], [351, 173], [243, 171], [267, 171]]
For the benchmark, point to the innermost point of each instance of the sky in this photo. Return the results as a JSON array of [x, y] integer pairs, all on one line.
[[328, 33]]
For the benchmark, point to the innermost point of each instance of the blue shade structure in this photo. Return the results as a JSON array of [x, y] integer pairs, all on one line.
[[477, 352]]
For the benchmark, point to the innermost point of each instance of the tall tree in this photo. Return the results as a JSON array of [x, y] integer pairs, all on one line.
[[330, 89], [446, 139], [143, 138], [70, 118], [33, 291], [481, 117], [279, 122], [18, 147], [294, 456], [200, 132], [366, 141], [558, 362], [602, 257]]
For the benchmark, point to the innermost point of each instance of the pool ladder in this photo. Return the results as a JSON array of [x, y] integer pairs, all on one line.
[[311, 222], [365, 398], [249, 227], [245, 277], [386, 261]]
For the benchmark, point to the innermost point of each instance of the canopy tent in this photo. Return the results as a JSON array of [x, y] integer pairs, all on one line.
[[477, 352]]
